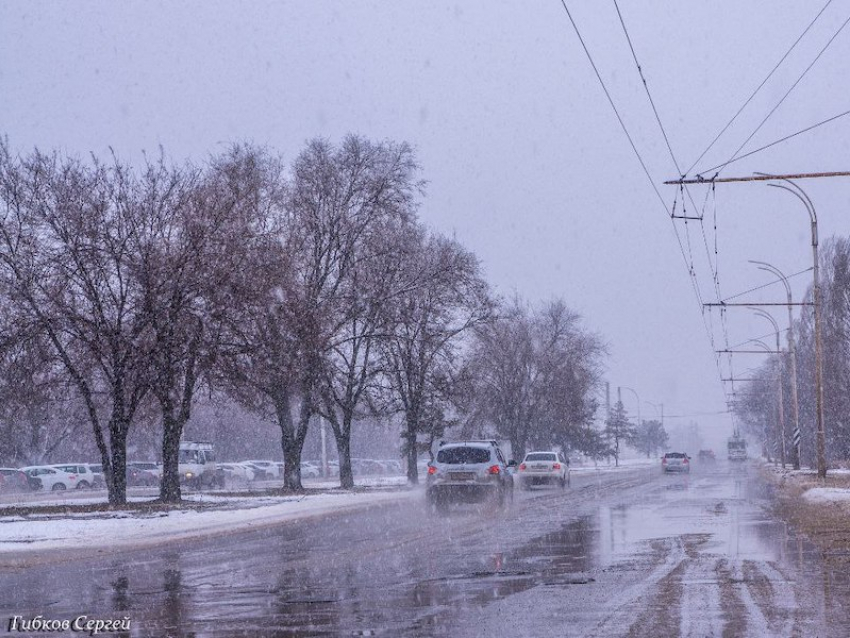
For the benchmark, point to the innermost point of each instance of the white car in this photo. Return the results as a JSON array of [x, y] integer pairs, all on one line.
[[269, 467], [538, 468], [80, 473], [249, 470], [52, 478], [236, 472], [308, 470]]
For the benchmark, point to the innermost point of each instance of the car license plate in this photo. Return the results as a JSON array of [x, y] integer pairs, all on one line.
[[462, 476], [540, 468]]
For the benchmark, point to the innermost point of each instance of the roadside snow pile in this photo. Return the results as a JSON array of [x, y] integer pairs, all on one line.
[[124, 529], [827, 495]]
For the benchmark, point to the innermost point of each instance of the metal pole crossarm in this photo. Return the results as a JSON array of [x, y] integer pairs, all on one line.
[[749, 351], [722, 304], [754, 178]]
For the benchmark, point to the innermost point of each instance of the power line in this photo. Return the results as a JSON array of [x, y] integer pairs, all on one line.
[[695, 414], [743, 343], [759, 87], [646, 86], [689, 265], [694, 282], [779, 141], [741, 294], [787, 93], [613, 106]]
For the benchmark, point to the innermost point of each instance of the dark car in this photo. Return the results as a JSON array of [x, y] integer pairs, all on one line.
[[137, 477], [706, 456], [13, 480]]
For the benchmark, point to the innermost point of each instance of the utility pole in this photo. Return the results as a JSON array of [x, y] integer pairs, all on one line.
[[799, 193]]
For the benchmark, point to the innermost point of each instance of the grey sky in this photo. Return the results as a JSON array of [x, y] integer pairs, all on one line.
[[525, 160]]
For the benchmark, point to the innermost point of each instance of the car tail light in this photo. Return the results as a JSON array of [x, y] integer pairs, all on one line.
[[493, 469], [522, 467], [664, 460], [556, 466], [432, 469], [685, 460]]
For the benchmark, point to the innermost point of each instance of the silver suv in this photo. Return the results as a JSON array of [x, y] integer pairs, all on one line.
[[469, 471]]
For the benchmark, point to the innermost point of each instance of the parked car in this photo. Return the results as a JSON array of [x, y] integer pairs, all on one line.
[[469, 471], [259, 473], [543, 468], [308, 470], [236, 472], [14, 480], [250, 470], [676, 462], [98, 480], [269, 468], [151, 466], [138, 477], [79, 474], [52, 478]]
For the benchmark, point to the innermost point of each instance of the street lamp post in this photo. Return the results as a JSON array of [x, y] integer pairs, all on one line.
[[780, 394], [767, 447], [792, 350], [661, 411], [820, 439], [638, 401]]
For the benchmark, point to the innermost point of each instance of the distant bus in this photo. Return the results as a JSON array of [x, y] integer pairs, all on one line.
[[737, 448]]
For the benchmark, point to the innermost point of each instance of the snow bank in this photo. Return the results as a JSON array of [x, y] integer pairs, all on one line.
[[126, 529], [822, 495]]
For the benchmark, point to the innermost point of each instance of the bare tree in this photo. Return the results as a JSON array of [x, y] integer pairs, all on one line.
[[340, 198], [537, 371], [39, 414], [66, 260], [299, 319], [445, 298], [198, 229]]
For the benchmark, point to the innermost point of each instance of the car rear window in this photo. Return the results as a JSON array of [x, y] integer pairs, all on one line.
[[461, 455], [674, 455], [540, 456]]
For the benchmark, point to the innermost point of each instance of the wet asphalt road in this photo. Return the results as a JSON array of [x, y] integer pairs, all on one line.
[[634, 553]]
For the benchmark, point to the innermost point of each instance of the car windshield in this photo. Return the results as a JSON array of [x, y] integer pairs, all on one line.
[[463, 455], [541, 456]]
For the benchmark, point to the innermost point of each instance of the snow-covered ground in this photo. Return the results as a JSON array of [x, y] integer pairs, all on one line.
[[822, 495], [813, 494], [38, 533]]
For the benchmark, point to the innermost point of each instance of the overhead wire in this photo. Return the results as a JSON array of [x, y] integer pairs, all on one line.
[[694, 283], [771, 283], [614, 106], [779, 141], [784, 97], [759, 87], [708, 325]]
